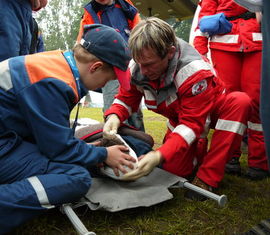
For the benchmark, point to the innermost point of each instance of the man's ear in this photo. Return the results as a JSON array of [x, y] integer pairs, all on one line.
[[95, 66], [171, 52]]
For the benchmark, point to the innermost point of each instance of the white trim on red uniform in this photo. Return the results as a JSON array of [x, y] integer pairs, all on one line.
[[257, 36], [190, 69], [128, 108], [187, 133], [231, 38], [231, 126], [255, 126]]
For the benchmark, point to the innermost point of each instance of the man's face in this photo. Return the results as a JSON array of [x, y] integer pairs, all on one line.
[[151, 65], [104, 2]]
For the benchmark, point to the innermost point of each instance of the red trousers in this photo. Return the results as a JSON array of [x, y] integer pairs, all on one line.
[[242, 72], [228, 119]]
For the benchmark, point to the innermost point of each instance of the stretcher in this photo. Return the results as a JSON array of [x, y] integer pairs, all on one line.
[[129, 195]]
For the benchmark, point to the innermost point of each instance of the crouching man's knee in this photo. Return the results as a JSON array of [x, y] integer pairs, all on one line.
[[241, 103]]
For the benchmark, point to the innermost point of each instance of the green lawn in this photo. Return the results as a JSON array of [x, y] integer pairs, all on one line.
[[248, 204]]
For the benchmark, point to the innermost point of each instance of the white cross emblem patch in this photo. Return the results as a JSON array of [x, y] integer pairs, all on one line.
[[199, 87]]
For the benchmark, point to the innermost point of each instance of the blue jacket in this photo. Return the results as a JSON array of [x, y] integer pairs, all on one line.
[[37, 94], [121, 15]]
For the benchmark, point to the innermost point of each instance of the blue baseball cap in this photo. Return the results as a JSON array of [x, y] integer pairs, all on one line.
[[109, 46]]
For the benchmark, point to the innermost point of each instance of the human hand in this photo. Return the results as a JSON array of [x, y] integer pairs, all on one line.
[[145, 166], [38, 4], [117, 159], [111, 125], [258, 17], [95, 143]]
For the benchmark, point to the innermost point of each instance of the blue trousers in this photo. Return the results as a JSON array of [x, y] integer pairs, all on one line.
[[109, 91], [15, 28], [31, 183]]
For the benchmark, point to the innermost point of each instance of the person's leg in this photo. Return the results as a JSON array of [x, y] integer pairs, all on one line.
[[109, 91], [181, 165], [228, 66], [231, 114], [265, 84], [251, 76], [136, 120], [264, 226], [31, 184]]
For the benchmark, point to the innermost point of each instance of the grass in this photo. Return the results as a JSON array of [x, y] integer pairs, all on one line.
[[249, 203]]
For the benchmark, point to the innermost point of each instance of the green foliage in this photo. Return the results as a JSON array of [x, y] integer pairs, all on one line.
[[59, 22], [182, 28], [248, 204]]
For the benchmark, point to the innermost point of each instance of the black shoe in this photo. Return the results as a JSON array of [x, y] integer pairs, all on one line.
[[262, 228], [233, 166], [254, 173], [193, 195]]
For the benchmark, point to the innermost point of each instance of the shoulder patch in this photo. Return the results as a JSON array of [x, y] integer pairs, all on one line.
[[199, 87]]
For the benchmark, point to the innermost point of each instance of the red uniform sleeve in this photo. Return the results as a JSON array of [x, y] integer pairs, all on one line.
[[125, 103], [208, 7]]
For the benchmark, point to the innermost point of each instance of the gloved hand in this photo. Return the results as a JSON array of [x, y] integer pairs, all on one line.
[[111, 125], [145, 166]]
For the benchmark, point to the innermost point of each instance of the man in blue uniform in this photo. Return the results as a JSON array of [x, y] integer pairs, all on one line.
[[42, 164]]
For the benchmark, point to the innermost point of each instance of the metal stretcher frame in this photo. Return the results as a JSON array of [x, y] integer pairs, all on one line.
[[183, 183]]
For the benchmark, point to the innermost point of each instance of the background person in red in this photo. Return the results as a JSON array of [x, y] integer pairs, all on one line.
[[236, 57], [122, 16], [177, 83]]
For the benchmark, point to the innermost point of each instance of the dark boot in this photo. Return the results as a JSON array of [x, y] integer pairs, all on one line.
[[254, 173], [192, 195], [263, 228], [233, 166]]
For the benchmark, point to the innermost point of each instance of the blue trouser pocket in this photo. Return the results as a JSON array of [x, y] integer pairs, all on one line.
[[19, 159], [9, 141]]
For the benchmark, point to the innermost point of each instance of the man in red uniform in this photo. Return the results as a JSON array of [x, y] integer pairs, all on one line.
[[236, 57], [178, 84]]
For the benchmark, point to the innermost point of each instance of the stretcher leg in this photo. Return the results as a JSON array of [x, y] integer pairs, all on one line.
[[183, 183], [75, 220]]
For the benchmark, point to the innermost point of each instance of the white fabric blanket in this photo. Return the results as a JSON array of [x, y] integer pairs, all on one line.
[[112, 195]]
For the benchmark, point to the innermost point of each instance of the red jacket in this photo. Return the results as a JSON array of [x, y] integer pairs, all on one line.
[[186, 96], [245, 35]]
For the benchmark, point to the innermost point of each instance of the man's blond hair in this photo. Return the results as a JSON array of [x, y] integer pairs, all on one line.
[[151, 33], [84, 57]]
